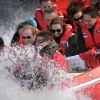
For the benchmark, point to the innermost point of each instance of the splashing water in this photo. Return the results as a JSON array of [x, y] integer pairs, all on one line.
[[25, 75], [12, 13]]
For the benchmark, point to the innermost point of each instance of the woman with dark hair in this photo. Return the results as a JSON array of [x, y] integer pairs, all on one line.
[[64, 36]]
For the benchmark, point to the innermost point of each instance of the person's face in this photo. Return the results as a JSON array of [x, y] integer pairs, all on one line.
[[27, 36], [56, 30], [89, 21], [78, 18], [49, 17], [46, 5], [41, 42]]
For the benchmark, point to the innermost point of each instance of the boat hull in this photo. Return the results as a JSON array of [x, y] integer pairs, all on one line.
[[87, 83]]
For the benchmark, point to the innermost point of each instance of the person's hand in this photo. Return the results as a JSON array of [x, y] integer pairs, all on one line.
[[97, 52]]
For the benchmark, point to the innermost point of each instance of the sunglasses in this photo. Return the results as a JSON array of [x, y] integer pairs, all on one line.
[[81, 17], [57, 30], [27, 37], [40, 41]]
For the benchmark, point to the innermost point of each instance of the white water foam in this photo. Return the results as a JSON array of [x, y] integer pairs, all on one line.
[[11, 87]]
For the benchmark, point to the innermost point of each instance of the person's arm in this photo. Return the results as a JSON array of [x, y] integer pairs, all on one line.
[[72, 46]]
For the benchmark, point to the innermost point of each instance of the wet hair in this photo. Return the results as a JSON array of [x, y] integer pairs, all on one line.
[[31, 21], [1, 43], [40, 1], [45, 34], [74, 8], [76, 5], [49, 11], [92, 11], [57, 21], [74, 11]]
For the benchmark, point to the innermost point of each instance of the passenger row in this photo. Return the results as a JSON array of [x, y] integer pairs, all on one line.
[[63, 33]]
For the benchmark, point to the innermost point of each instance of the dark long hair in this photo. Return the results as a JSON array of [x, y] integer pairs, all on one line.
[[57, 21], [1, 43], [16, 36]]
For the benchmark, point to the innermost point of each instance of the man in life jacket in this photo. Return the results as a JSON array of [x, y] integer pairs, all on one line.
[[49, 49], [45, 5], [49, 15], [91, 34], [64, 36], [25, 33]]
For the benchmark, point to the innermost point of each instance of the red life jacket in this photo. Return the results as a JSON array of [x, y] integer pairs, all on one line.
[[65, 37], [61, 60], [62, 5], [40, 19], [21, 41], [92, 60], [90, 41]]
